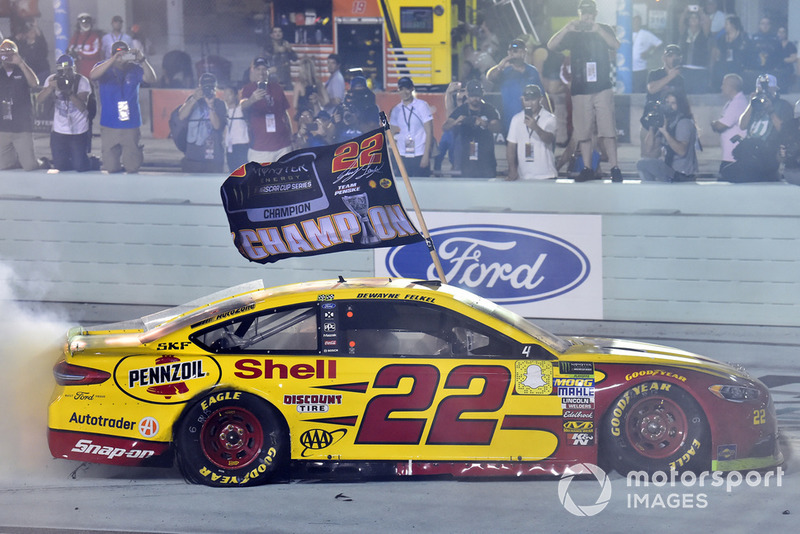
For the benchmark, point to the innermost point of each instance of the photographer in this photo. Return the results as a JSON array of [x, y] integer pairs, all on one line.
[[267, 113], [119, 79], [591, 45], [767, 120], [68, 139], [16, 109], [359, 111], [675, 135], [206, 116], [475, 123], [660, 81]]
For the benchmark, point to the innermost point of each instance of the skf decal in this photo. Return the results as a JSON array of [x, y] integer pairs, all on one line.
[[317, 439], [268, 369], [533, 377], [312, 403], [171, 380], [174, 345], [650, 373]]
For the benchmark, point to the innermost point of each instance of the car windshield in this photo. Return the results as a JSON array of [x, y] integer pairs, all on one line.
[[504, 314]]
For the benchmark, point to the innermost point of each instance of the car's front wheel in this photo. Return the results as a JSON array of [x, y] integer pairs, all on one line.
[[656, 426], [231, 438]]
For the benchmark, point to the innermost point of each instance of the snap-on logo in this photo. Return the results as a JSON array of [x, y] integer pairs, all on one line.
[[506, 264]]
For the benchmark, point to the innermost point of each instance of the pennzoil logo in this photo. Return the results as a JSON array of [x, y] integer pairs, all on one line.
[[317, 438], [533, 377], [169, 380]]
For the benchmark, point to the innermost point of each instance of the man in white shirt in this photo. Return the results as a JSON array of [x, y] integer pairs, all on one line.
[[727, 125], [115, 35], [335, 84], [412, 125], [69, 138], [530, 139], [644, 42]]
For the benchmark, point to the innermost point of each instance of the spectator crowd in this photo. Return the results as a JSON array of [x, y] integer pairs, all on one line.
[[554, 94]]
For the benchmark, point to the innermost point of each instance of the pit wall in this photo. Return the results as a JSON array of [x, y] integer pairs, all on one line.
[[683, 253]]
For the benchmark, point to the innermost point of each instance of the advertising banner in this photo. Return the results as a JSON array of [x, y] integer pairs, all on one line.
[[547, 266]]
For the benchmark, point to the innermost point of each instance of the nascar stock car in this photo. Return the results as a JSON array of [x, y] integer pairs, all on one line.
[[415, 376]]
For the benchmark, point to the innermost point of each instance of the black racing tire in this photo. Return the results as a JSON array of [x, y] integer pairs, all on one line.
[[231, 438], [655, 426]]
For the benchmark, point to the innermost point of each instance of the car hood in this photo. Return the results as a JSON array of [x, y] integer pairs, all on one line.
[[637, 352]]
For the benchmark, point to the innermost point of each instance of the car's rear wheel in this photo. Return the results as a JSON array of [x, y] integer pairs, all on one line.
[[231, 438], [656, 426]]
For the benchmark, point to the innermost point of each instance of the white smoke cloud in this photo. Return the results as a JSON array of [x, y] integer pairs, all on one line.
[[32, 337]]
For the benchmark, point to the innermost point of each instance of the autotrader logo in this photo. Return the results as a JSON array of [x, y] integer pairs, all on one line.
[[602, 499]]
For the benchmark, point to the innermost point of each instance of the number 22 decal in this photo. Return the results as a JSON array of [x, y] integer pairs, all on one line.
[[351, 155], [447, 426]]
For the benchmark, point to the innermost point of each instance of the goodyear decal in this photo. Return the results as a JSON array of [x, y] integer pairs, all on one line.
[[533, 377], [232, 480], [654, 373], [167, 379]]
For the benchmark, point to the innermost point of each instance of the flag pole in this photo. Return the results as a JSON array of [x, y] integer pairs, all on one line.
[[423, 228]]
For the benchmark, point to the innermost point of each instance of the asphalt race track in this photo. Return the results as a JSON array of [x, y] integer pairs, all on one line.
[[41, 494]]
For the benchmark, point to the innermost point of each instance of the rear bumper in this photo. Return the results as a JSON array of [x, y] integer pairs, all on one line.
[[102, 449]]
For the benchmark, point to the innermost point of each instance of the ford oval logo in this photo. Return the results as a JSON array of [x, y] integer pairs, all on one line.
[[505, 264]]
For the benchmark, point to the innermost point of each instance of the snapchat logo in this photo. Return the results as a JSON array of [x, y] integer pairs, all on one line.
[[533, 377]]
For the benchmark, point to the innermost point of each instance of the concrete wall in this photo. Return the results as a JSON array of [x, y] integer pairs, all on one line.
[[716, 253]]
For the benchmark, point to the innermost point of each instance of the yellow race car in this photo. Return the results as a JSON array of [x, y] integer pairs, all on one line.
[[413, 376]]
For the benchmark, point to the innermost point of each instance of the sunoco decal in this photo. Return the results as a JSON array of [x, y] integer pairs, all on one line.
[[167, 379]]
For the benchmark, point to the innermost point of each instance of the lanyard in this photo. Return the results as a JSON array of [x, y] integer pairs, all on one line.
[[410, 114]]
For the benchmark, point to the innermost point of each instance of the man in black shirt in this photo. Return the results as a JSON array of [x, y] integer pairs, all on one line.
[[591, 46], [475, 122], [16, 109]]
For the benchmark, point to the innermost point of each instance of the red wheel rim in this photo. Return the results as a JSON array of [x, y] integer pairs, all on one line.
[[656, 427], [231, 438]]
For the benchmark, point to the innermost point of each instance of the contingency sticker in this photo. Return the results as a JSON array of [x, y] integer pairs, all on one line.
[[533, 377]]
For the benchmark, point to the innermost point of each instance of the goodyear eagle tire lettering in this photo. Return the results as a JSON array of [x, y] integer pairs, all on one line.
[[655, 426], [231, 438]]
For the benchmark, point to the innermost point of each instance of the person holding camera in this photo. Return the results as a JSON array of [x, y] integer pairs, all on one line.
[[675, 133], [531, 138], [85, 45], [412, 124], [206, 117], [591, 47], [661, 81], [511, 76], [68, 139], [768, 120], [266, 110], [475, 123], [119, 79], [16, 109]]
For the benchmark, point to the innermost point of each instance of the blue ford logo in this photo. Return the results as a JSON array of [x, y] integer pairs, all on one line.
[[505, 264]]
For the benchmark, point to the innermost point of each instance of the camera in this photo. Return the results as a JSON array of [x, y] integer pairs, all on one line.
[[209, 91], [129, 56], [64, 82], [262, 85], [694, 7], [762, 97], [653, 116], [584, 26]]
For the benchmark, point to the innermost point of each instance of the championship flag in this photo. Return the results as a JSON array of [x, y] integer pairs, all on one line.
[[317, 200]]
